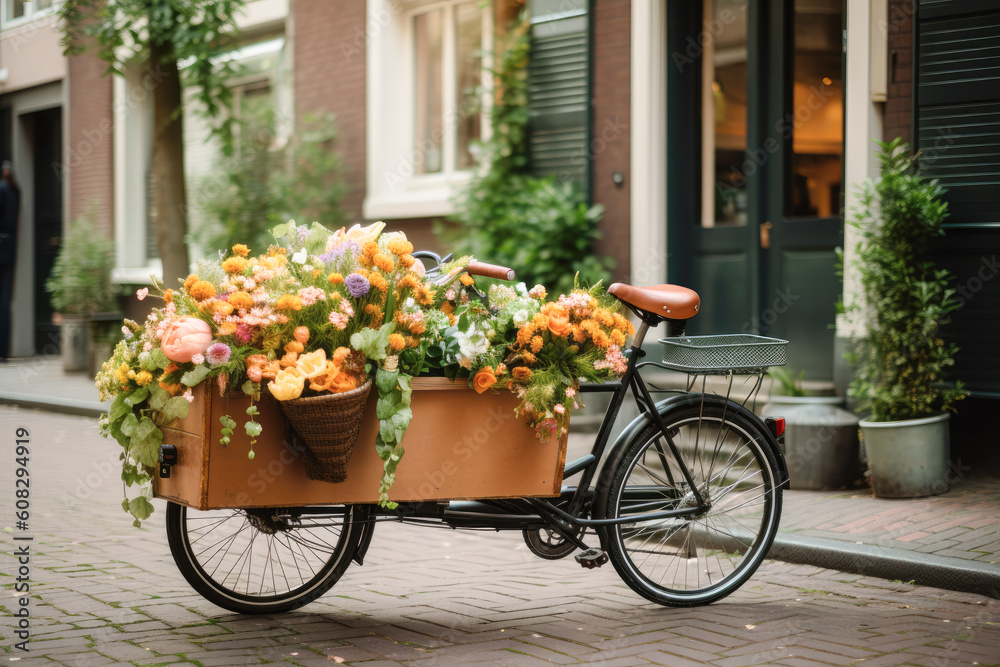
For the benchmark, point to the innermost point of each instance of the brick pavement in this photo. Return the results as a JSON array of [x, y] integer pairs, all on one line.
[[108, 594]]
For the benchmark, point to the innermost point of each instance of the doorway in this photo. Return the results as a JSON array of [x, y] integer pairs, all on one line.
[[755, 168], [45, 129]]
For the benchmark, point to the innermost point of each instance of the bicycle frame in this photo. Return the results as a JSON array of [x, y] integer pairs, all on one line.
[[570, 519]]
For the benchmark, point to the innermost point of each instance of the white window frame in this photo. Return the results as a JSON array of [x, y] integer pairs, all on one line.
[[394, 189], [30, 13]]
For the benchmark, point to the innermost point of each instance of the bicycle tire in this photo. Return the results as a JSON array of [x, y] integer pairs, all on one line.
[[702, 558], [306, 576]]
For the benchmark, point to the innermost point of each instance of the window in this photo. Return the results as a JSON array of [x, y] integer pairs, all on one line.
[[426, 104], [16, 11]]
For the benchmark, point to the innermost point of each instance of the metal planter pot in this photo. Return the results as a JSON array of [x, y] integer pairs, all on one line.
[[908, 459], [820, 443]]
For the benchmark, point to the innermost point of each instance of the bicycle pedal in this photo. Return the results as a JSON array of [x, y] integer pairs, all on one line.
[[591, 558]]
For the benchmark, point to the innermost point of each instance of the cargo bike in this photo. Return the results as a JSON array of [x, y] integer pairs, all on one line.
[[684, 501]]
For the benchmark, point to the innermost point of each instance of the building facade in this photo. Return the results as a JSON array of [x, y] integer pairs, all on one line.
[[725, 138]]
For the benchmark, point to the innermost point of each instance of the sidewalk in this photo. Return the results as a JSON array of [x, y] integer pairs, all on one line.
[[950, 541]]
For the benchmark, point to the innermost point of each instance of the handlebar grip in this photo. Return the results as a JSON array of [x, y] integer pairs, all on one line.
[[490, 271]]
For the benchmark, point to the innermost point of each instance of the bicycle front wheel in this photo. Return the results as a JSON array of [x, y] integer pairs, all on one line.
[[262, 561], [700, 558]]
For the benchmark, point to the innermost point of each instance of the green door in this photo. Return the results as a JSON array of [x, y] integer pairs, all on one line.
[[755, 145]]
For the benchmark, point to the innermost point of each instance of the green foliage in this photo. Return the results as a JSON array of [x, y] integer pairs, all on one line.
[[194, 31], [394, 413], [258, 186], [901, 358], [80, 281], [540, 227], [788, 384]]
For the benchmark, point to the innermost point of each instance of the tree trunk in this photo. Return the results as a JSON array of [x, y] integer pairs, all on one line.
[[169, 192]]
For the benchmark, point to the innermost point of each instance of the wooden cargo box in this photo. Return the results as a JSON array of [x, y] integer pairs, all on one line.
[[460, 445]]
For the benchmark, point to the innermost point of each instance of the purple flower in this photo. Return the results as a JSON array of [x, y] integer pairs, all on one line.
[[338, 251], [357, 285], [218, 354]]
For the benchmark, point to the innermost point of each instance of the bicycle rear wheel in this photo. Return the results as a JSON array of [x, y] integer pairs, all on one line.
[[701, 558], [262, 561]]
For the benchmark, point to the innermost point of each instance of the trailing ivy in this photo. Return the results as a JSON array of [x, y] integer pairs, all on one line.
[[541, 227]]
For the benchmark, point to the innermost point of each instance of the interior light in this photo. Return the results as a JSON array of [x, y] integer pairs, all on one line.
[[827, 81]]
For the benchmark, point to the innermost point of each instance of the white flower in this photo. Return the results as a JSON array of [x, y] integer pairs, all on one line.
[[300, 257]]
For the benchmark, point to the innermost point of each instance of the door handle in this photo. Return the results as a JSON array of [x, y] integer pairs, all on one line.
[[765, 234]]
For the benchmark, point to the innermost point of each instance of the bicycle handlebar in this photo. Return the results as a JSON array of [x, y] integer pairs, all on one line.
[[490, 271]]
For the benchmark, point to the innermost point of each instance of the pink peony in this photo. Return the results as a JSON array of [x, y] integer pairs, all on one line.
[[186, 337]]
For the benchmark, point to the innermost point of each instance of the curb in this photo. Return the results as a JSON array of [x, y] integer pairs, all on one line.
[[890, 563], [68, 406]]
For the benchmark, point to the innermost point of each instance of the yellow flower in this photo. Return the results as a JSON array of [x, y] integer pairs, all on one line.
[[312, 364], [397, 342], [234, 265], [287, 384], [201, 290], [121, 373], [143, 378], [466, 279], [335, 278], [241, 250]]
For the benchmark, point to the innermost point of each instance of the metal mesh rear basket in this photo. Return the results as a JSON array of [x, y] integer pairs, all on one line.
[[723, 353]]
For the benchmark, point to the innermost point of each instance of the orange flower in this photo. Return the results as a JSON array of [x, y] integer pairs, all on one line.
[[466, 279], [227, 328], [288, 302], [240, 299], [424, 296], [397, 342], [579, 335], [601, 339], [378, 282], [301, 334], [400, 246], [295, 347], [276, 251], [168, 296], [536, 344], [558, 320], [383, 262], [234, 265], [407, 261], [373, 309], [241, 250], [191, 280], [335, 278], [408, 281], [418, 328], [483, 379], [447, 308], [521, 373], [617, 337], [604, 317], [201, 290], [528, 358], [524, 335], [369, 250], [223, 307], [540, 321]]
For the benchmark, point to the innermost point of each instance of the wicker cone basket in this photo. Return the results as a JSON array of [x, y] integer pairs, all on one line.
[[328, 425]]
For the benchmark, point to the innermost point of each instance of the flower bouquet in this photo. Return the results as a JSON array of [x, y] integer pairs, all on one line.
[[319, 319]]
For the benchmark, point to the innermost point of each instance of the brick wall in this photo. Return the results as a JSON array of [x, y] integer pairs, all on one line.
[[88, 160], [610, 145], [329, 53], [898, 119]]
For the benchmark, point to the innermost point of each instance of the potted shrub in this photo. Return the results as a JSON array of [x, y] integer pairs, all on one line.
[[81, 291], [821, 438], [900, 358]]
